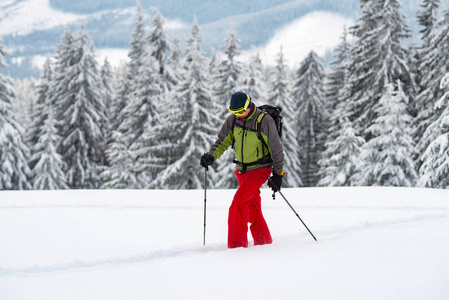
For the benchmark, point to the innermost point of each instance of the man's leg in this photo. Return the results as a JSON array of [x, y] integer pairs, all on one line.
[[249, 185], [259, 229]]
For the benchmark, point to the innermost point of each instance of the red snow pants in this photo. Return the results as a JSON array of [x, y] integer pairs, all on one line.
[[246, 208]]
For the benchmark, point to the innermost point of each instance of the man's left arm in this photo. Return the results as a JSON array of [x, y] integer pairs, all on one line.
[[268, 128]]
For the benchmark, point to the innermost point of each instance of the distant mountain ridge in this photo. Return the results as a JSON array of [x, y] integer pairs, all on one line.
[[110, 23]]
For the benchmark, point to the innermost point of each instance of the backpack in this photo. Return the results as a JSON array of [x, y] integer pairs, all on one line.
[[275, 113], [272, 111]]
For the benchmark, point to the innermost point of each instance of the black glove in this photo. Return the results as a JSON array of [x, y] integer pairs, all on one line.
[[275, 182], [206, 160]]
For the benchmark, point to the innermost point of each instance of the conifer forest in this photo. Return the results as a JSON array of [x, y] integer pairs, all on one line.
[[376, 115]]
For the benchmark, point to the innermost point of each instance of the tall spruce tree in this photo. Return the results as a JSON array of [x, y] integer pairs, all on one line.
[[14, 170], [46, 163], [337, 76], [435, 168], [133, 105], [141, 106], [387, 157], [80, 111], [253, 80], [226, 82], [120, 174], [188, 127], [433, 66], [48, 170], [213, 63], [138, 116], [106, 75], [376, 59], [335, 159], [143, 116], [229, 70], [174, 61], [129, 85], [24, 100], [39, 116], [427, 17], [157, 39], [341, 157], [311, 116], [280, 95]]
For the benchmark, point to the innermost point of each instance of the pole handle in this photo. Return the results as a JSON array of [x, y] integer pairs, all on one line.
[[274, 192]]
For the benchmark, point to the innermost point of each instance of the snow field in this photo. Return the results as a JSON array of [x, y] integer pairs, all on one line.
[[373, 243]]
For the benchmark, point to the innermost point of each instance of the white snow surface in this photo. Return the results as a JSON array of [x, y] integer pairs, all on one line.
[[319, 31], [373, 243]]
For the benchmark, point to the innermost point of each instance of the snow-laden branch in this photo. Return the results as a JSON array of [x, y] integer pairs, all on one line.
[[445, 98]]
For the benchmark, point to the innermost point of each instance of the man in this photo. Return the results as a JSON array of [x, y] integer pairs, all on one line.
[[258, 153]]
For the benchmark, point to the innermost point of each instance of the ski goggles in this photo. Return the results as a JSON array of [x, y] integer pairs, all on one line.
[[241, 111]]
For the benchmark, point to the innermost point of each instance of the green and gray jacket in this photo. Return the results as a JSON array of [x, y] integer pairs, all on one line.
[[249, 149]]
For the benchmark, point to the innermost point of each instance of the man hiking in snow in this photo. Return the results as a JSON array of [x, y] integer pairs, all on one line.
[[258, 153]]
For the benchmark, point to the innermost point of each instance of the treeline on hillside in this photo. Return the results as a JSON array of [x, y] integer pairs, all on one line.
[[377, 116]]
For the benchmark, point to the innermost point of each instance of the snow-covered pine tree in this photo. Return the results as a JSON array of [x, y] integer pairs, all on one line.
[[280, 95], [188, 126], [175, 55], [427, 17], [47, 172], [14, 171], [376, 58], [131, 97], [253, 80], [128, 86], [341, 157], [435, 168], [38, 117], [412, 62], [213, 63], [226, 83], [46, 163], [80, 111], [107, 91], [157, 39], [311, 116], [340, 162], [229, 71], [445, 98], [387, 157], [141, 106], [142, 115], [174, 63], [24, 100], [138, 116], [336, 78], [120, 174], [433, 68]]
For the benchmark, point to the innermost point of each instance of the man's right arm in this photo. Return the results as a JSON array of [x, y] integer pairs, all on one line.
[[225, 138]]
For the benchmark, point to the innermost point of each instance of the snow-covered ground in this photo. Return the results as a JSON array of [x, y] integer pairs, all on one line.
[[373, 243]]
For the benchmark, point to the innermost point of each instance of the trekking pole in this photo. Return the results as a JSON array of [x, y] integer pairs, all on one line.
[[298, 216], [205, 188], [295, 213]]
